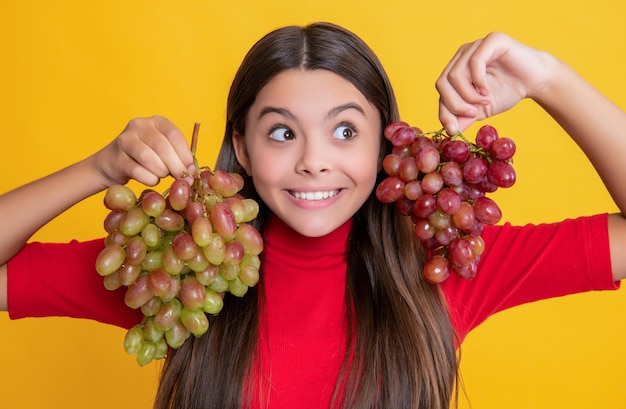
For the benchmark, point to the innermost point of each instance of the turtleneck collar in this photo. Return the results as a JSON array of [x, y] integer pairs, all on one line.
[[278, 235], [303, 273]]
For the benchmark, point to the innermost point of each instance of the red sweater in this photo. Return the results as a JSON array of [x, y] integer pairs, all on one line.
[[303, 325]]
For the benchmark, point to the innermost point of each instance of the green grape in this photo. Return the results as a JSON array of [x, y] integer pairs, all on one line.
[[177, 254], [112, 281], [110, 259], [150, 332], [151, 235], [184, 246], [146, 353], [208, 275], [159, 282], [249, 275], [198, 263], [161, 349], [168, 314], [234, 253], [252, 209], [128, 274], [216, 250], [192, 293], [223, 221], [138, 293], [177, 335], [179, 195], [238, 207], [250, 238], [228, 271], [119, 197], [133, 339], [136, 250], [153, 204], [112, 220], [116, 237], [213, 302], [171, 263], [237, 287], [151, 307], [195, 321], [202, 231], [224, 183], [152, 260], [173, 290], [252, 260], [134, 221], [219, 285], [211, 199], [170, 220]]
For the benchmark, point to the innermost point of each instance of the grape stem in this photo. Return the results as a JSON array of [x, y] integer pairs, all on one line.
[[194, 145], [477, 150], [194, 137]]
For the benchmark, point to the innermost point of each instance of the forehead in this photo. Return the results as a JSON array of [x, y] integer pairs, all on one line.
[[318, 88]]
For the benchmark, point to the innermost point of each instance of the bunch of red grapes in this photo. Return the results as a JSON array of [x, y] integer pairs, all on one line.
[[441, 182], [178, 253]]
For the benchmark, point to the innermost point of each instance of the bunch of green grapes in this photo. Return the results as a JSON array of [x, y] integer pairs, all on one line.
[[178, 253], [441, 182]]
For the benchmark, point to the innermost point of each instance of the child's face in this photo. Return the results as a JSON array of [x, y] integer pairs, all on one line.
[[312, 147]]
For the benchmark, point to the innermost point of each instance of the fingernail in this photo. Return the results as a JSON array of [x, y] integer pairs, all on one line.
[[452, 129]]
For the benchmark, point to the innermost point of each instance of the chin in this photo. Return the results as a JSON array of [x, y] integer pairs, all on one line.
[[315, 227]]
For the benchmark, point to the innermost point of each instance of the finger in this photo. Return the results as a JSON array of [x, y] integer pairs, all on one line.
[[461, 76], [143, 175], [159, 155], [453, 123], [140, 158], [453, 101], [176, 138], [458, 96], [448, 119], [488, 51]]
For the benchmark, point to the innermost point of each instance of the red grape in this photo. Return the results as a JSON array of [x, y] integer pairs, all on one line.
[[501, 174], [487, 211], [503, 148], [486, 136], [440, 182], [390, 190]]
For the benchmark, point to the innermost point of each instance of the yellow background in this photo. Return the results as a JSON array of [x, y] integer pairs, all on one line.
[[74, 72]]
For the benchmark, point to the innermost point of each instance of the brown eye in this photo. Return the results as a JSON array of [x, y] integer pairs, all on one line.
[[281, 134], [344, 132]]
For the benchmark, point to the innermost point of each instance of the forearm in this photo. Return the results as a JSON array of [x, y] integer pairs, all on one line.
[[595, 123], [26, 209], [3, 287]]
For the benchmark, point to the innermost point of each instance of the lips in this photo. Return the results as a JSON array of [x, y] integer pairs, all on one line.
[[318, 195]]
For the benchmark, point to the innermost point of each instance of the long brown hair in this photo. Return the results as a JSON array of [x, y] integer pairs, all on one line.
[[399, 332]]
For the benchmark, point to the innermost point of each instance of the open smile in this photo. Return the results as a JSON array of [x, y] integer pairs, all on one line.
[[318, 195]]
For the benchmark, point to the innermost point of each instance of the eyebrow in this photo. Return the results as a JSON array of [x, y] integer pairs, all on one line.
[[332, 113]]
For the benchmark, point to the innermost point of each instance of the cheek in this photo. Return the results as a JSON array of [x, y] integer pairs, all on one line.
[[267, 171], [364, 172]]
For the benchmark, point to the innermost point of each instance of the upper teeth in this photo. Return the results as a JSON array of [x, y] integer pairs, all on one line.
[[315, 195]]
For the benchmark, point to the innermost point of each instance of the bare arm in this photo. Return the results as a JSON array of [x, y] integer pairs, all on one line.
[[3, 287], [147, 150], [597, 126], [493, 74]]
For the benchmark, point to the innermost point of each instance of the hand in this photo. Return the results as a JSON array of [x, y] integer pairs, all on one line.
[[147, 150], [489, 76]]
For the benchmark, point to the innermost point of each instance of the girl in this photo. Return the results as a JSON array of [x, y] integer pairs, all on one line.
[[342, 316]]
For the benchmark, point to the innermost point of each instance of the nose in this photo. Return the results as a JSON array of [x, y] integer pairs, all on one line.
[[314, 156]]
